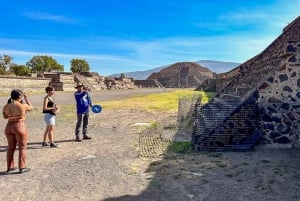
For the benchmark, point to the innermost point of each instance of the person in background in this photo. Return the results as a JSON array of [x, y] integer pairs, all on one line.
[[15, 130], [49, 109], [83, 102]]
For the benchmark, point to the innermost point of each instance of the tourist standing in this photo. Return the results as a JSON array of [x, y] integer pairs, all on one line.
[[49, 109], [83, 102], [15, 130]]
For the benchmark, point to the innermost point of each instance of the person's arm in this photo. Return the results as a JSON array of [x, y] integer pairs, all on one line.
[[80, 94], [45, 103], [89, 99], [5, 116], [29, 105]]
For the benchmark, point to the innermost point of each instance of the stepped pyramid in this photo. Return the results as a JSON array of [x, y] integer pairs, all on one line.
[[264, 98], [182, 75]]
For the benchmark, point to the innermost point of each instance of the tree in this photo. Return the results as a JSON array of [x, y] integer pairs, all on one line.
[[5, 63], [41, 64], [20, 70], [79, 65]]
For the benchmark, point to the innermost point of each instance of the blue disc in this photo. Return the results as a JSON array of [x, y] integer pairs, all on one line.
[[96, 108]]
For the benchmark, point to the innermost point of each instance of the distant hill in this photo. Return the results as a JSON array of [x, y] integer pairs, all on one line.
[[215, 66], [218, 66]]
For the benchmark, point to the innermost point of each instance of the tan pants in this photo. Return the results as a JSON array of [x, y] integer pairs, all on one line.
[[16, 132]]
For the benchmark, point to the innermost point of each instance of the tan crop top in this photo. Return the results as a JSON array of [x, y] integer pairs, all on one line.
[[15, 111]]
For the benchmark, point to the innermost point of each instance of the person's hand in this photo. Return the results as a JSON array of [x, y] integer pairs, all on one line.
[[26, 99], [56, 109]]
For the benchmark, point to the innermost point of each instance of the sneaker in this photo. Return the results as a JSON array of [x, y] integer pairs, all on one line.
[[45, 144], [24, 170], [11, 169], [78, 140], [53, 145], [85, 137]]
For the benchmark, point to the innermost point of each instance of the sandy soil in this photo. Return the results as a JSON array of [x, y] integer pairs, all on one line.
[[110, 167]]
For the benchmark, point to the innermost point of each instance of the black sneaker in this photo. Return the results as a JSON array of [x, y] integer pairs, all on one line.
[[9, 170], [53, 145], [78, 140], [45, 144], [24, 170], [85, 137]]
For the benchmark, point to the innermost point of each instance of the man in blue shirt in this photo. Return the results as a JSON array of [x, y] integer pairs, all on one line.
[[83, 102]]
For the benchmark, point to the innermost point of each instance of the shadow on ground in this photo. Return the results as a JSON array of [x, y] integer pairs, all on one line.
[[261, 174]]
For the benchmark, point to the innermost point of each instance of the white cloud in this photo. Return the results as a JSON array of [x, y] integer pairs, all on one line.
[[99, 57], [244, 16], [49, 17]]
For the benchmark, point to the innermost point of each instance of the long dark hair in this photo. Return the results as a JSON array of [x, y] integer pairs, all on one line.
[[15, 95]]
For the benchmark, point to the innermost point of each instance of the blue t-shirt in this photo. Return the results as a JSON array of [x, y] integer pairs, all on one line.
[[83, 101]]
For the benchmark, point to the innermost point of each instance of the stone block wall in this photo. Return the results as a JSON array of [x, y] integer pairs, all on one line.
[[261, 67], [275, 74], [208, 85], [61, 81], [23, 83], [148, 83], [118, 83], [64, 81], [279, 100], [97, 83], [271, 80]]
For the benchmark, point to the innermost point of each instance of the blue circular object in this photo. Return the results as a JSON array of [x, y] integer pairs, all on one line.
[[96, 108]]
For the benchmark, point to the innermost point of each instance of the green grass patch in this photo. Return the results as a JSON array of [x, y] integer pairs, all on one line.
[[166, 101], [180, 147], [154, 125], [67, 112]]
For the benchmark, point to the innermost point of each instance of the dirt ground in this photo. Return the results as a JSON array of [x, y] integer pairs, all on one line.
[[110, 167]]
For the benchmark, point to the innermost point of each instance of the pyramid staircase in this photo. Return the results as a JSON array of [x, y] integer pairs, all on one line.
[[232, 121], [82, 79], [158, 84]]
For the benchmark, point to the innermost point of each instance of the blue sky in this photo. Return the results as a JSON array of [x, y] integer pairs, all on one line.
[[116, 36]]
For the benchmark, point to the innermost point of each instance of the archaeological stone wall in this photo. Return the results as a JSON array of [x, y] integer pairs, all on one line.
[[257, 69], [23, 83], [279, 100], [64, 81], [61, 81], [271, 80], [153, 83]]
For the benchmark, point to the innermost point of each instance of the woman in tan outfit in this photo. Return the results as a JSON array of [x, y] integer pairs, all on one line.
[[15, 129]]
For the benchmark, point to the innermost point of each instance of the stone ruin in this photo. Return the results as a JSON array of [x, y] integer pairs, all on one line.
[[91, 80], [258, 102], [178, 75], [64, 81]]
